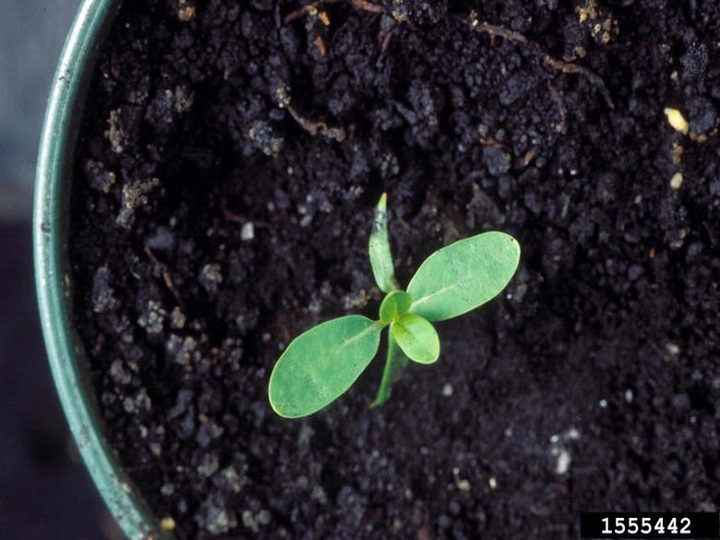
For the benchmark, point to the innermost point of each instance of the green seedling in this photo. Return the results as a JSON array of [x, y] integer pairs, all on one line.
[[322, 364]]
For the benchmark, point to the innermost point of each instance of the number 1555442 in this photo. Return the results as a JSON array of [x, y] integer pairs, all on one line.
[[649, 525]]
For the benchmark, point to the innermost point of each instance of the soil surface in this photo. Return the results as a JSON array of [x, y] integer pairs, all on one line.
[[230, 158]]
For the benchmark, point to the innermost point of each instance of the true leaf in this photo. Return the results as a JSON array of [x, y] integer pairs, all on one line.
[[464, 275], [417, 338], [395, 304], [321, 364], [379, 249]]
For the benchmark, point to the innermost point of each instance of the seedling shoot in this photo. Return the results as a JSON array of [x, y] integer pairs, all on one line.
[[322, 363]]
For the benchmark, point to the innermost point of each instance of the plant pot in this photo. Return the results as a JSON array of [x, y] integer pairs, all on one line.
[[52, 191], [222, 200]]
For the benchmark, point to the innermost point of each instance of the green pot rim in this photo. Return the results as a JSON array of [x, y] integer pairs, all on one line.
[[52, 269]]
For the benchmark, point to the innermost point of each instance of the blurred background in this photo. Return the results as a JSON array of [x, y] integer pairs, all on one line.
[[45, 492]]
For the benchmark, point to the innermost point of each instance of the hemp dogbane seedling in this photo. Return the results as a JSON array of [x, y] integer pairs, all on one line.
[[321, 364]]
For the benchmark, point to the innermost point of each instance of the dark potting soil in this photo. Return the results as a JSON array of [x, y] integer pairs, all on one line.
[[230, 158]]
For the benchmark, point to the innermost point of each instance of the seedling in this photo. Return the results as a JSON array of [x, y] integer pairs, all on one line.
[[322, 364]]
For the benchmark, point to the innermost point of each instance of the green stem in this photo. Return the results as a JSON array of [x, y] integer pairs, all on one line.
[[395, 363]]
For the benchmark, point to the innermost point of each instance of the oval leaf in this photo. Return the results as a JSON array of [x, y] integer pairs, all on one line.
[[464, 275], [321, 364], [395, 304], [417, 338], [379, 249]]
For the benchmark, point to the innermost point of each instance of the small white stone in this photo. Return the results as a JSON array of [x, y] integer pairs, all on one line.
[[629, 395], [492, 482], [563, 461], [603, 404], [463, 485], [248, 231], [676, 119], [447, 390], [676, 181]]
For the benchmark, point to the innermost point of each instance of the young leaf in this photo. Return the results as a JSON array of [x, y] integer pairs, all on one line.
[[379, 249], [321, 364], [396, 303], [464, 275], [417, 338]]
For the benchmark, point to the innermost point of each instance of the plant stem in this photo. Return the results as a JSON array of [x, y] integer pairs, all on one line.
[[395, 363]]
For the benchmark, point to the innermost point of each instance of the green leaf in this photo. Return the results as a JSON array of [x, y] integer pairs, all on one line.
[[321, 364], [464, 275], [379, 249], [396, 303], [417, 338]]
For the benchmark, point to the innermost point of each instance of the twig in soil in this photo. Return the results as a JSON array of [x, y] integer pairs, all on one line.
[[529, 156], [493, 143], [384, 37], [562, 109], [229, 215], [320, 44], [312, 9], [180, 533], [420, 520], [317, 128], [240, 219], [554, 63], [404, 223], [167, 278]]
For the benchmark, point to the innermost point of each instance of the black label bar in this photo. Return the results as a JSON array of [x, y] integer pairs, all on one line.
[[649, 525]]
